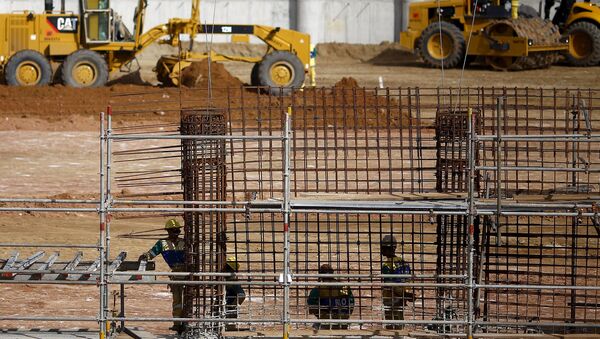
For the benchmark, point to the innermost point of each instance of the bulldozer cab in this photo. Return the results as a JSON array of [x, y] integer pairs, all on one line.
[[97, 21], [490, 9], [101, 24]]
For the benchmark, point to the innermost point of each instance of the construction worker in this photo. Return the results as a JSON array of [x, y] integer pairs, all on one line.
[[234, 294], [548, 4], [330, 302], [172, 250], [395, 298]]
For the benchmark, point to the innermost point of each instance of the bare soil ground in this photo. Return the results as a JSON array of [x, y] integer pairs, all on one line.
[[49, 139]]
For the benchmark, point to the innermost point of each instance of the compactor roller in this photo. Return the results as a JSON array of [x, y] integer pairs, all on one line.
[[452, 33], [541, 35]]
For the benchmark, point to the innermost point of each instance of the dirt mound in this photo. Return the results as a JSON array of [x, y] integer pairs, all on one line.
[[348, 82], [197, 75], [58, 108], [394, 56], [155, 51]]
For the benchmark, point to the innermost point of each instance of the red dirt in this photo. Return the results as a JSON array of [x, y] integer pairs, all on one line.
[[196, 75], [58, 108], [348, 82]]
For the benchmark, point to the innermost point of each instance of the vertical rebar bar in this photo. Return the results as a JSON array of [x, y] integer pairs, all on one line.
[[499, 108]]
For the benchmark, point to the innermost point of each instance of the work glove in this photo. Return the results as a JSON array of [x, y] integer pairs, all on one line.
[[143, 257]]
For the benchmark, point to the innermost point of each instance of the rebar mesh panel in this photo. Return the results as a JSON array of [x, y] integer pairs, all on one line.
[[533, 250], [452, 176], [350, 243], [367, 142]]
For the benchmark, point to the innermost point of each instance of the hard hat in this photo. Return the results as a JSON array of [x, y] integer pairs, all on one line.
[[389, 240], [325, 269], [172, 223], [232, 263]]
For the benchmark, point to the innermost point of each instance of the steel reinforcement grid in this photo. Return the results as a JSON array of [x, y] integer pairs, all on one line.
[[491, 194]]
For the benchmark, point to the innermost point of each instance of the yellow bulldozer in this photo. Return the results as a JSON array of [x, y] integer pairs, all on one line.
[[450, 33], [90, 45]]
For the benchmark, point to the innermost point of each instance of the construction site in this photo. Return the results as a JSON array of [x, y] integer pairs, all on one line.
[[392, 190]]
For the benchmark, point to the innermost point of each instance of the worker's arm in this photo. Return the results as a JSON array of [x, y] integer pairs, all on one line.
[[313, 302], [235, 295], [153, 252], [350, 301]]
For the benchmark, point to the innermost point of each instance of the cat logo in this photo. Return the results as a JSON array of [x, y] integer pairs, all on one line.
[[63, 24]]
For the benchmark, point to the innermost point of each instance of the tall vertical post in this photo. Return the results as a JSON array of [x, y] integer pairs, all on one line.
[[471, 223], [102, 245], [575, 219], [286, 225], [108, 199]]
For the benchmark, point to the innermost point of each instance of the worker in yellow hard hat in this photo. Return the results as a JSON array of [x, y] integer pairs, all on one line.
[[172, 249], [395, 298], [234, 293]]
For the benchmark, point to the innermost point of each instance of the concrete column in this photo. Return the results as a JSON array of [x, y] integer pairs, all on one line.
[[398, 22], [310, 18], [293, 10]]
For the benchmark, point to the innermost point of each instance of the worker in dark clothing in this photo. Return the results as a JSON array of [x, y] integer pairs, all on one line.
[[330, 302], [173, 252], [234, 294], [395, 298], [548, 4], [562, 12]]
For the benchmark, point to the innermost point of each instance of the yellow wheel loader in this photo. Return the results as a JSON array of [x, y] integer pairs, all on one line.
[[580, 21], [90, 45], [439, 31]]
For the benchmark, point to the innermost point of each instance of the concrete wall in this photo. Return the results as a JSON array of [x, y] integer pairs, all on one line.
[[351, 21], [357, 21]]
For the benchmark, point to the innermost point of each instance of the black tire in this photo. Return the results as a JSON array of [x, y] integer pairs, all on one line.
[[590, 34], [28, 68], [291, 66], [451, 33], [84, 68], [254, 75], [526, 11]]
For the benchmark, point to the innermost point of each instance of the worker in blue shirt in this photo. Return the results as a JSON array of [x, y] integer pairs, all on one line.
[[172, 250], [395, 298], [330, 302]]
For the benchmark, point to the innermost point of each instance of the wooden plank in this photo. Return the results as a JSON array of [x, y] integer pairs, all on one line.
[[572, 197], [382, 197], [70, 266]]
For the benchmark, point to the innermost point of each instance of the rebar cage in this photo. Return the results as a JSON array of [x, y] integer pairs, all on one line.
[[491, 194]]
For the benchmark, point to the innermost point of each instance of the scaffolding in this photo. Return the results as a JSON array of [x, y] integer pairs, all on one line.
[[493, 198]]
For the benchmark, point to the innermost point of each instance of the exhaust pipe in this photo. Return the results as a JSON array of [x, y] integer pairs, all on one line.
[[514, 6]]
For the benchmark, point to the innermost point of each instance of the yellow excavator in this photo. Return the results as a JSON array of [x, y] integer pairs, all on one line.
[[90, 45], [440, 31]]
